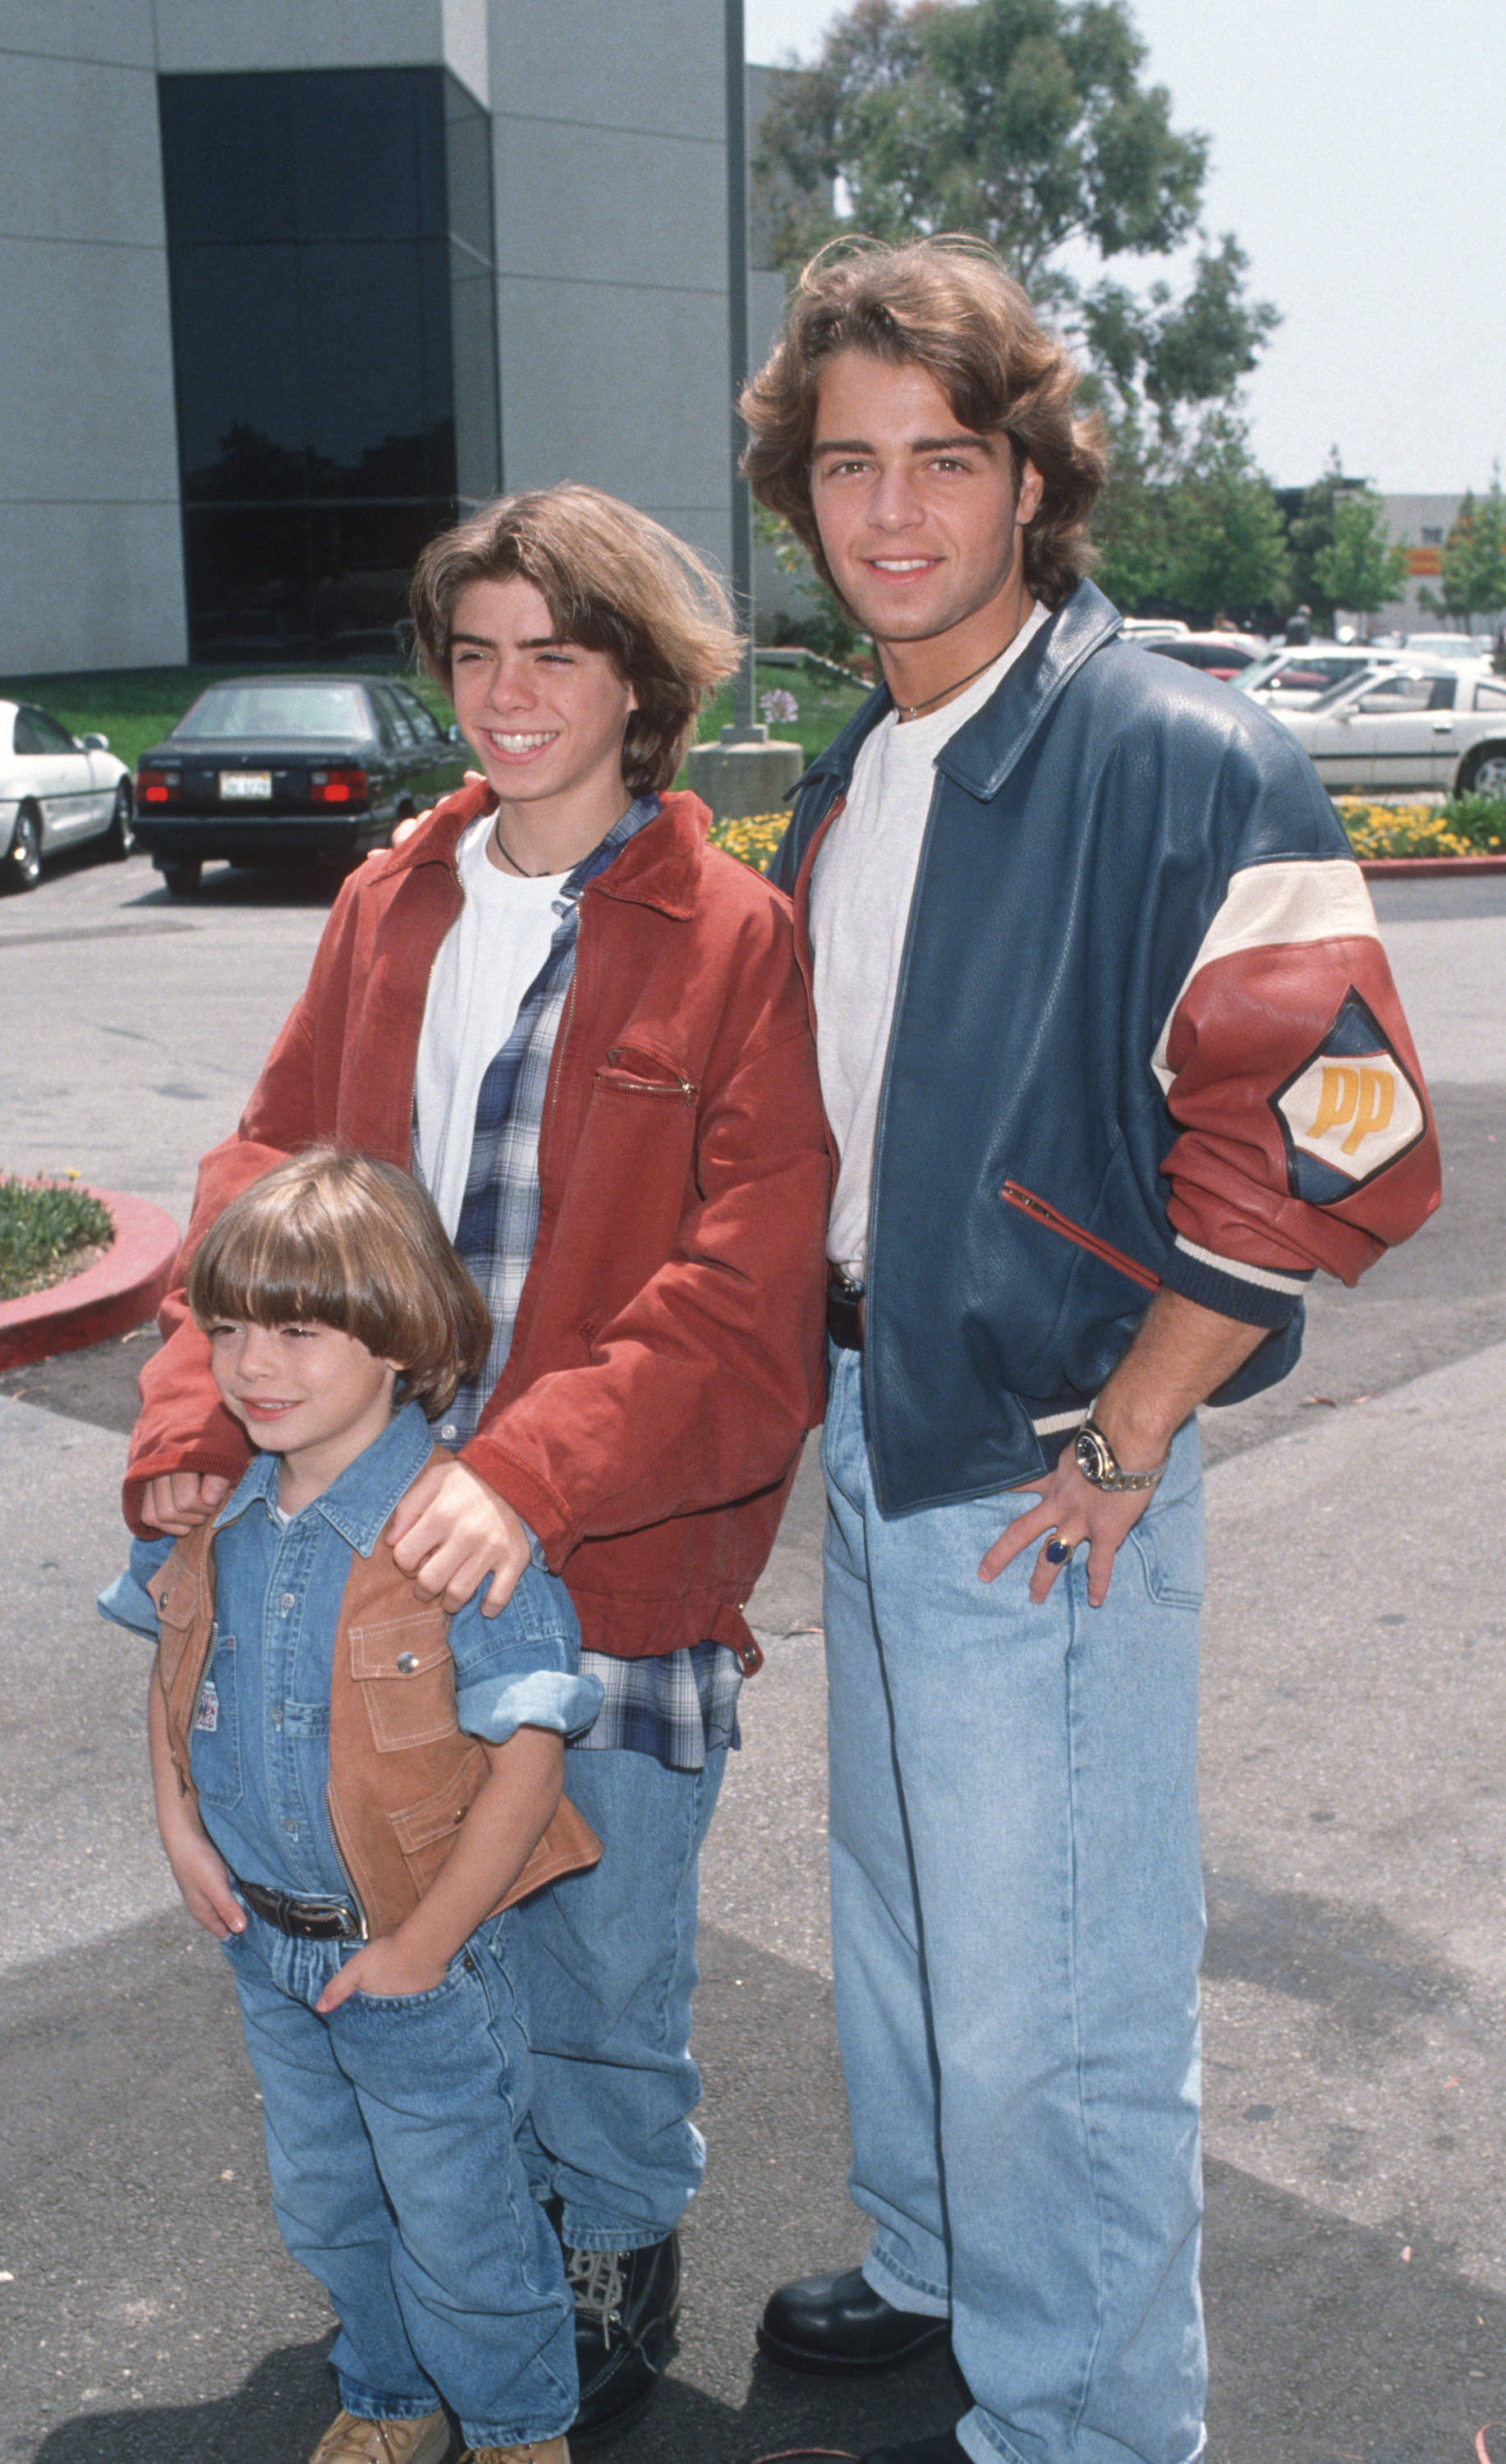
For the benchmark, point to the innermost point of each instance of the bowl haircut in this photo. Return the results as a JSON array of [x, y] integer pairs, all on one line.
[[947, 305], [613, 581], [335, 1238]]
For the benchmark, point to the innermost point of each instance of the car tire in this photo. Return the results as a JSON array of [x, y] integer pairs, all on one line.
[[183, 875], [1483, 772], [119, 839], [23, 868]]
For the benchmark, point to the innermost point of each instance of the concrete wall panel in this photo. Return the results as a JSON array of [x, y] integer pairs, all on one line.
[[111, 30], [626, 388], [226, 35], [89, 380], [610, 205], [91, 585], [660, 68], [80, 156]]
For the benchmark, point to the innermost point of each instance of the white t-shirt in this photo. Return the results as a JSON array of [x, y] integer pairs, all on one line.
[[485, 965], [860, 892]]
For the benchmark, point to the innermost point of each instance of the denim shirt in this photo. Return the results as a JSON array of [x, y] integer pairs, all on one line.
[[259, 1751]]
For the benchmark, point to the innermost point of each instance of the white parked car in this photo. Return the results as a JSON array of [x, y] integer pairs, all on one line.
[[1291, 678], [1406, 726], [55, 791]]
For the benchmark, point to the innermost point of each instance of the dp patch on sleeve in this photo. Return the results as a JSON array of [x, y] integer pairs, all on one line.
[[1347, 1111]]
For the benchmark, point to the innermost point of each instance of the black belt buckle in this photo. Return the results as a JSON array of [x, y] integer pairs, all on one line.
[[844, 1311], [305, 1920]]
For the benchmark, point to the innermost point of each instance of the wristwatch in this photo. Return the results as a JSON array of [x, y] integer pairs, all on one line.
[[1099, 1464]]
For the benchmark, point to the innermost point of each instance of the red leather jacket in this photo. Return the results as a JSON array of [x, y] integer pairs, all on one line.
[[666, 1356]]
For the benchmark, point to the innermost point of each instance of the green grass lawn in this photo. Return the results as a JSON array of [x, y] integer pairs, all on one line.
[[135, 707]]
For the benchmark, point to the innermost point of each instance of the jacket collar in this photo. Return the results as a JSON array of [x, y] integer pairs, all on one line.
[[659, 866], [980, 756], [357, 1504]]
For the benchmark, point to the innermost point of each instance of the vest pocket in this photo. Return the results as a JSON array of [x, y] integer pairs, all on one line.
[[426, 1831], [407, 1678]]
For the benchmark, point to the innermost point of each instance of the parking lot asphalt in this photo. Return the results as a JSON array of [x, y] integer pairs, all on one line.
[[1353, 1816]]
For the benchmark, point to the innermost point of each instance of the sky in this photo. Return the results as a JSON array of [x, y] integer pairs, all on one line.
[[1357, 156]]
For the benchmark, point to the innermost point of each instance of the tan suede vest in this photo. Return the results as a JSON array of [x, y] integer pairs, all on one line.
[[403, 1773]]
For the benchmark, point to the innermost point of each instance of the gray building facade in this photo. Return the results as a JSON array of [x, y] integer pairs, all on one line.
[[290, 280]]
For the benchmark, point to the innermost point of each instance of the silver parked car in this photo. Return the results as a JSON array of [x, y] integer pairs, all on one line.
[[56, 790], [1408, 725]]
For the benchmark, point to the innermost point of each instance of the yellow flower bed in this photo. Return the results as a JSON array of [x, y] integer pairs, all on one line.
[[1373, 830], [1405, 829], [753, 837]]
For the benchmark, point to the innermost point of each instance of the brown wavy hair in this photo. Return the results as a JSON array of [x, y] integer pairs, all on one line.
[[335, 1238], [613, 580], [949, 306]]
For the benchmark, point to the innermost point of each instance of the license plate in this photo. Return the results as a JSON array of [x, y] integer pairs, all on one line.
[[245, 786]]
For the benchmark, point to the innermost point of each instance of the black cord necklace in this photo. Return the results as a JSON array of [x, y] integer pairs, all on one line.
[[510, 858], [914, 709]]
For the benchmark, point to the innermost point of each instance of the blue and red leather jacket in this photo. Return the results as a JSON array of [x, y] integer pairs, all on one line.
[[1144, 1033]]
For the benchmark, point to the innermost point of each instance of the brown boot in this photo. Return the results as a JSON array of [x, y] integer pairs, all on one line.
[[350, 2440]]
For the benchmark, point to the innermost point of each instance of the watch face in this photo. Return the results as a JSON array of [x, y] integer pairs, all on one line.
[[1092, 1456]]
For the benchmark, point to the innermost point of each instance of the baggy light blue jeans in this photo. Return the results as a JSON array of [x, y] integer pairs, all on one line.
[[396, 2179], [1017, 1920], [606, 1968]]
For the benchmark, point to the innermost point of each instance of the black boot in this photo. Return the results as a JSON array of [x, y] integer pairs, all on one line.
[[838, 2322], [626, 2305]]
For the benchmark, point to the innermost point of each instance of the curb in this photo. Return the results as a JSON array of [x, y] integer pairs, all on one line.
[[122, 1288], [1427, 868]]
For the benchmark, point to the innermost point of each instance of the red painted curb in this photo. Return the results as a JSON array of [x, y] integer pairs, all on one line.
[[1426, 868], [119, 1291]]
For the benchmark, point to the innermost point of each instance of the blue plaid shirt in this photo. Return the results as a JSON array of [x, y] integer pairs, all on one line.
[[679, 1706]]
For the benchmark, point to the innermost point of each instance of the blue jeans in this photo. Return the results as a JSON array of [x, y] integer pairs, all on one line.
[[396, 2179], [1017, 1919], [604, 1964]]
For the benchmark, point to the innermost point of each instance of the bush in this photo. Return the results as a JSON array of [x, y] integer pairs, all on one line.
[[1481, 820], [44, 1227]]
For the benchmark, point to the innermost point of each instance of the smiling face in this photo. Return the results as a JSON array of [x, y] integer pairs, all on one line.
[[921, 520], [546, 719], [309, 1393]]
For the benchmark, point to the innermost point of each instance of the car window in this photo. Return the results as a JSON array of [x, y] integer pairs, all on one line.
[[276, 710], [426, 726], [395, 721], [1404, 693], [1490, 696], [1314, 675], [37, 732]]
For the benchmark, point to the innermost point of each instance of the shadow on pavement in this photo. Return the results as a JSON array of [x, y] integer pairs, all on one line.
[[282, 2411]]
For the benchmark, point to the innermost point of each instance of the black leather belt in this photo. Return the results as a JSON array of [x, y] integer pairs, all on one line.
[[309, 1920], [844, 1311]]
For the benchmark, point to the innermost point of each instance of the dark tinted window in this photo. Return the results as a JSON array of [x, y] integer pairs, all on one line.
[[41, 732], [330, 246], [426, 726]]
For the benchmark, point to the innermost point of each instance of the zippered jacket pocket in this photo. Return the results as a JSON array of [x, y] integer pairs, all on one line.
[[1042, 1212]]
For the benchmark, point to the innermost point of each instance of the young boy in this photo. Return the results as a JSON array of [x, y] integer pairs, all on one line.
[[351, 1786]]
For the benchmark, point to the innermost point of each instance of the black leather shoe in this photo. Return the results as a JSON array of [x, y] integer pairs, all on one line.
[[839, 2322], [943, 2448], [626, 2305]]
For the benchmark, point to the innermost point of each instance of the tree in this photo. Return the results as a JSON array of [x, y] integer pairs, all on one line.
[[1360, 569], [1194, 531], [1473, 565]]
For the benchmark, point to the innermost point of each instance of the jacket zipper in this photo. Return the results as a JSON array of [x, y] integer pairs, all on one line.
[[1029, 1203], [681, 1087]]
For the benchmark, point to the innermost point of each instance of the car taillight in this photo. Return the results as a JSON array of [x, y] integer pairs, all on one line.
[[346, 785], [156, 786]]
